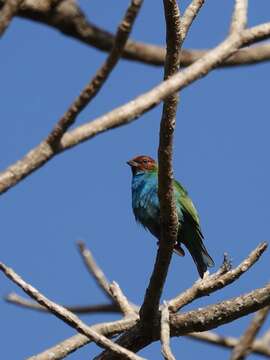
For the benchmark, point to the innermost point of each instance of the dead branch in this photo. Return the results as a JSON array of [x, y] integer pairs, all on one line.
[[69, 19], [239, 17], [258, 347], [244, 345], [94, 269], [168, 214], [120, 299], [15, 299], [64, 348], [8, 11], [216, 281], [67, 316], [165, 333], [94, 86], [122, 115]]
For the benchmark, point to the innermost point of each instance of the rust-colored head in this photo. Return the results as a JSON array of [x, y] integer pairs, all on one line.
[[142, 163]]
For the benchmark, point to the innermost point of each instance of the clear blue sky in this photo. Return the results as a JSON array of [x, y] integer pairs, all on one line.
[[221, 156]]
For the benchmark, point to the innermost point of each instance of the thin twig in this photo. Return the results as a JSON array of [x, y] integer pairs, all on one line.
[[124, 114], [15, 299], [244, 346], [67, 316], [165, 333], [120, 299], [189, 16], [9, 10], [258, 347], [240, 15], [93, 87], [94, 269], [168, 214], [213, 283]]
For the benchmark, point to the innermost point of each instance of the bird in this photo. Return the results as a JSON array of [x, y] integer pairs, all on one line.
[[146, 209]]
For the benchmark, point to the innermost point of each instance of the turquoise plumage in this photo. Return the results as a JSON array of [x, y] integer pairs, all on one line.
[[145, 204]]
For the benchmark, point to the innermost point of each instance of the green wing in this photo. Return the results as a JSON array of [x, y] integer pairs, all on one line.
[[185, 202]]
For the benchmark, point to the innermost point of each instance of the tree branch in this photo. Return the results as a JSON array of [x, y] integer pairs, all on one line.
[[9, 10], [244, 345], [168, 214], [93, 87], [258, 347], [66, 347], [216, 281], [15, 299], [239, 17], [94, 269], [67, 316], [68, 18], [199, 320], [132, 110], [189, 16], [165, 333]]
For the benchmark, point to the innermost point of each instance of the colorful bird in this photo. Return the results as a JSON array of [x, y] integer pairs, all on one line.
[[146, 209]]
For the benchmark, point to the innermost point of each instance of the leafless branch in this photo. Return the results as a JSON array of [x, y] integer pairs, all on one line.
[[132, 110], [258, 347], [67, 316], [213, 316], [9, 10], [15, 299], [216, 281], [94, 269], [121, 300], [199, 320], [244, 346], [240, 15], [165, 333], [69, 19], [93, 87], [64, 348], [189, 15], [168, 214]]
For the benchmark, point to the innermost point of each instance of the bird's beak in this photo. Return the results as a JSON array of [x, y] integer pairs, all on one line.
[[132, 163]]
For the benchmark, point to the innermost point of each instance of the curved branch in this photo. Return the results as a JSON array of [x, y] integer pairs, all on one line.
[[68, 18], [132, 110]]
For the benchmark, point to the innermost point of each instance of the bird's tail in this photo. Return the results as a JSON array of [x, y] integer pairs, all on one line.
[[200, 255]]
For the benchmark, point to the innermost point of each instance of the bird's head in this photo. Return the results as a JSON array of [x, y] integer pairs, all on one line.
[[141, 164]]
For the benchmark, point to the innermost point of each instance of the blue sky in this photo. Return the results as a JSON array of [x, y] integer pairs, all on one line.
[[221, 156]]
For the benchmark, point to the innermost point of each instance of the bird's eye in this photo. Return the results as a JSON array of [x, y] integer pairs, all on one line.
[[145, 161]]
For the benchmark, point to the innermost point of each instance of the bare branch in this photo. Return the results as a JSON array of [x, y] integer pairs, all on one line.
[[121, 300], [67, 316], [168, 214], [199, 320], [213, 316], [165, 333], [64, 348], [258, 346], [93, 87], [132, 110], [9, 10], [15, 299], [69, 19], [189, 15], [213, 283], [94, 269], [239, 17], [244, 346]]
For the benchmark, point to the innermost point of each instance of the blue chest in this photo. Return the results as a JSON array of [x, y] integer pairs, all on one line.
[[145, 201]]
